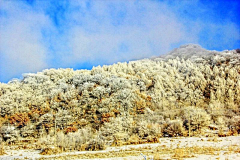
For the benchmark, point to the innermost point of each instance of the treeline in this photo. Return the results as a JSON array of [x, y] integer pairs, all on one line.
[[184, 93]]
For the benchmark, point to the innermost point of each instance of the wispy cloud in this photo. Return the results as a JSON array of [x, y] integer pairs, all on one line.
[[111, 31], [41, 34], [21, 42]]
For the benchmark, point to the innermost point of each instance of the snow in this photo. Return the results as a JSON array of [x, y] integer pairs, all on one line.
[[172, 143]]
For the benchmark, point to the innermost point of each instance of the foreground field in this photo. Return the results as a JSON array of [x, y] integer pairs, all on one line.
[[167, 148]]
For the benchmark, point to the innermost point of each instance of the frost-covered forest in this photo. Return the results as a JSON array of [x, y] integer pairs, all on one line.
[[187, 92]]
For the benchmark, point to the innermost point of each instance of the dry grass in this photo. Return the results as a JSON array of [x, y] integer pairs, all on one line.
[[51, 150], [233, 149], [158, 153], [213, 139]]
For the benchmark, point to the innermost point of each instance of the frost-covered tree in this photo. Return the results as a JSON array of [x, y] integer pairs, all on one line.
[[69, 100]]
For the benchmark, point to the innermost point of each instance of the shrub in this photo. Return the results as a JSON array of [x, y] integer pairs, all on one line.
[[134, 139], [95, 145], [235, 124], [116, 125], [141, 129], [196, 117], [74, 140], [173, 128]]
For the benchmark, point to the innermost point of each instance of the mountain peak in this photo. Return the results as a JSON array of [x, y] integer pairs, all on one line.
[[190, 46], [187, 51]]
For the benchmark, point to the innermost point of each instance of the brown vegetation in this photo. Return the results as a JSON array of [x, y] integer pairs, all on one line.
[[19, 119]]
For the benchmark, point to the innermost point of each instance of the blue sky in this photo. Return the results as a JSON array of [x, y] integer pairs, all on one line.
[[36, 35]]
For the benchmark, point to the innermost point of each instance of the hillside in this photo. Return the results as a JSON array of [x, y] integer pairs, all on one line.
[[187, 92]]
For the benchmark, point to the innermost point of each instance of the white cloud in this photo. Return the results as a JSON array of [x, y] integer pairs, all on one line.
[[101, 32], [146, 29], [21, 48]]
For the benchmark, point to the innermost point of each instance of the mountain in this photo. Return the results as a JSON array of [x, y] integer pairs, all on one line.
[[190, 90]]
